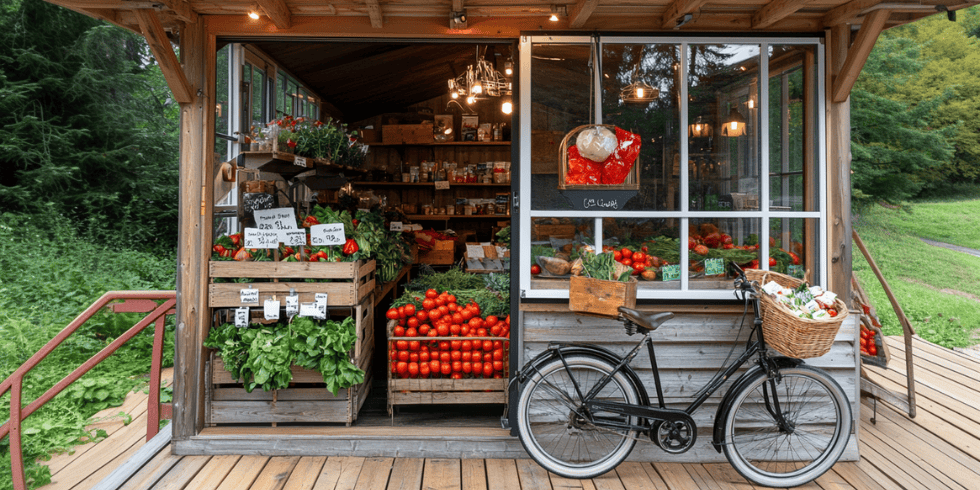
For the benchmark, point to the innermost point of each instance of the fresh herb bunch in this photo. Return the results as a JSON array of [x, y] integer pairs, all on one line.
[[490, 291], [455, 279], [603, 266]]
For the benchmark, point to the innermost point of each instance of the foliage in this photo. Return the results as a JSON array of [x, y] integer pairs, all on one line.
[[327, 140], [87, 126]]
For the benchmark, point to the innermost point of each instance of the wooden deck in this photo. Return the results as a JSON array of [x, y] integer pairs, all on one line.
[[939, 448]]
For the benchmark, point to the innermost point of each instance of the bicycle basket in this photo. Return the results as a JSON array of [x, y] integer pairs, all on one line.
[[792, 336]]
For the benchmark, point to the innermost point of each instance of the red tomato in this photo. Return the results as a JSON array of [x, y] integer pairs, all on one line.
[[458, 317], [498, 366], [428, 304], [411, 332], [423, 316], [392, 314], [451, 298], [466, 356], [434, 315], [467, 314], [443, 330], [491, 321], [495, 330], [412, 322], [424, 356], [457, 366], [627, 262], [464, 330], [413, 369], [402, 367], [431, 293], [394, 367], [401, 345], [498, 354], [487, 357], [772, 262], [452, 307], [467, 367], [403, 355], [477, 368], [644, 249], [475, 323], [454, 330], [445, 357], [423, 330], [444, 345], [444, 310], [401, 312], [398, 331], [505, 332], [455, 344], [456, 355], [446, 369], [409, 309], [535, 269], [617, 256], [424, 370], [487, 345], [627, 253], [434, 365], [414, 345], [440, 301], [432, 333], [638, 257], [498, 344], [466, 345], [488, 369]]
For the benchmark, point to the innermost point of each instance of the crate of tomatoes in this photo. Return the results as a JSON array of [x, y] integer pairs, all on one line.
[[443, 350]]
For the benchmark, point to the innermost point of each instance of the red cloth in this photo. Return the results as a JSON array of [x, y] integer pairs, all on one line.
[[618, 165], [581, 170]]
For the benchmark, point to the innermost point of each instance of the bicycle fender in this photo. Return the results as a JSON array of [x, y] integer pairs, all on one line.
[[570, 349], [718, 438]]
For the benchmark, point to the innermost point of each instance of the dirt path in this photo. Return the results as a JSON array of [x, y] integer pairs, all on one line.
[[971, 251]]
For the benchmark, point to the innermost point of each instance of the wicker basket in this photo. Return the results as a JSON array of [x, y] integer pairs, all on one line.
[[632, 181], [801, 338]]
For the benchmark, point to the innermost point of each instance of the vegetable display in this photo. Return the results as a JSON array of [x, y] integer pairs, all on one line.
[[261, 355], [804, 301]]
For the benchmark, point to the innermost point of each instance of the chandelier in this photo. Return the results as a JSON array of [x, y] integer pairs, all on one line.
[[480, 81]]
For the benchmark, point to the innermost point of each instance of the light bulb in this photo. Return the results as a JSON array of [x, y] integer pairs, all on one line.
[[734, 125], [477, 88], [508, 68], [697, 128], [507, 107], [553, 18], [253, 15], [454, 94], [470, 99], [639, 92], [751, 104]]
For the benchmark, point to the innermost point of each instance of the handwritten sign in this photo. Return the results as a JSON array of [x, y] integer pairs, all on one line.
[[300, 162], [321, 305], [327, 234], [713, 267], [241, 317], [397, 226], [474, 251], [270, 309], [292, 305], [293, 238], [309, 310], [256, 238], [250, 296], [670, 272], [592, 203], [275, 219], [442, 185]]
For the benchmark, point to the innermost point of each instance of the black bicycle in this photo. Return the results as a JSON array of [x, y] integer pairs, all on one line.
[[582, 408]]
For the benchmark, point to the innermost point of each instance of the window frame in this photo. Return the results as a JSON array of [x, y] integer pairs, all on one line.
[[764, 215]]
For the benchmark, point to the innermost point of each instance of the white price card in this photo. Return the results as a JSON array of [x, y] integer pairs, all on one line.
[[292, 305], [321, 305], [275, 219], [250, 296], [309, 309], [300, 161], [256, 238], [474, 251], [442, 185], [293, 238], [270, 309], [241, 317], [397, 226], [327, 234]]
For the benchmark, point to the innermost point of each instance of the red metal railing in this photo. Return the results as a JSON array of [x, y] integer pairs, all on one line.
[[133, 302]]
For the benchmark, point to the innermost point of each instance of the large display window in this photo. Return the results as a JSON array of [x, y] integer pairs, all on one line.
[[729, 166]]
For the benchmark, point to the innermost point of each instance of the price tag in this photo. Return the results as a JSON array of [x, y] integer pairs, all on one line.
[[275, 219], [327, 234], [293, 238], [241, 317], [256, 238], [397, 226], [271, 309], [474, 251], [292, 305], [321, 305], [670, 272], [309, 309], [442, 185], [713, 267], [300, 162], [250, 296]]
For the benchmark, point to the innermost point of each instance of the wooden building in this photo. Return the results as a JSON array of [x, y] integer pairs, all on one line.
[[784, 67]]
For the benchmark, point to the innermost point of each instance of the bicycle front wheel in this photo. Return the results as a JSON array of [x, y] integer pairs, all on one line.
[[556, 429], [818, 425]]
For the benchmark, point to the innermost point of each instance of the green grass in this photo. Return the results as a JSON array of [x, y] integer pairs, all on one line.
[[931, 284]]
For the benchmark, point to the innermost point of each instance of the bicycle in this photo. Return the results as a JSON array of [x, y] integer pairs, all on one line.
[[582, 408]]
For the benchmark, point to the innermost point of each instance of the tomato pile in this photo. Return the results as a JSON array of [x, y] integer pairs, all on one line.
[[639, 260], [868, 345], [444, 339]]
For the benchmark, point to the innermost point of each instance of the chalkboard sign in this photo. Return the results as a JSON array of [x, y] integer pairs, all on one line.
[[502, 199], [254, 201], [598, 200]]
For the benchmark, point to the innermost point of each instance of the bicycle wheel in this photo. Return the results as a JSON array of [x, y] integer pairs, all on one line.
[[819, 424], [554, 428]]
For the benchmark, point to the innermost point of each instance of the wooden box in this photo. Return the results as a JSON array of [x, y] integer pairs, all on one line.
[[307, 399], [544, 232], [351, 282], [598, 297], [442, 253], [406, 134]]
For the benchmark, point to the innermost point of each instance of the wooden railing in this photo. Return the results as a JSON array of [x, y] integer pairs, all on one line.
[[132, 302]]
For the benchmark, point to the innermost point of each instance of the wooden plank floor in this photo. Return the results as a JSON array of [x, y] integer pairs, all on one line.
[[939, 448]]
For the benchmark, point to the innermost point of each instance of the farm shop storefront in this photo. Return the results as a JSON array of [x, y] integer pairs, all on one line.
[[822, 230]]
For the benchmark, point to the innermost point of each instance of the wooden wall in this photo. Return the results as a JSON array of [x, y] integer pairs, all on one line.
[[689, 348]]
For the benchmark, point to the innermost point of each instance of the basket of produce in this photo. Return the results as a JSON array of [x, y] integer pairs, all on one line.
[[599, 156], [797, 320]]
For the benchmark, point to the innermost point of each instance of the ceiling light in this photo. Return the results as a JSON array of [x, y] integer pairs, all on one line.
[[507, 107], [735, 126], [253, 15], [457, 20], [639, 92], [700, 129], [508, 68], [553, 18], [471, 99]]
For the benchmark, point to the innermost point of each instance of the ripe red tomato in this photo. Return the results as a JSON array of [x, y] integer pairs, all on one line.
[[455, 344], [491, 321], [451, 298], [498, 354], [446, 369], [424, 356], [423, 330], [428, 304], [456, 355], [444, 345], [431, 293], [434, 315], [487, 357], [401, 345], [495, 330], [535, 269], [411, 332], [627, 253], [445, 357], [440, 301], [409, 309], [487, 345], [424, 370], [467, 367], [392, 314], [398, 331], [414, 345], [498, 366], [402, 367], [423, 316], [413, 369], [627, 262], [434, 365], [477, 368], [488, 369], [617, 256], [412, 322], [466, 345], [639, 257], [457, 366], [403, 355], [772, 262]]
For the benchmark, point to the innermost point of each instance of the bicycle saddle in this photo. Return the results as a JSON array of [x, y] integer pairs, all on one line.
[[647, 321]]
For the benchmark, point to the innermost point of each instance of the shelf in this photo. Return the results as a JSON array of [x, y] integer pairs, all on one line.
[[447, 217], [450, 143], [286, 163], [426, 184]]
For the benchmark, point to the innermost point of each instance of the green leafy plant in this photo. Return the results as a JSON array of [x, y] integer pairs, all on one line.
[[603, 266]]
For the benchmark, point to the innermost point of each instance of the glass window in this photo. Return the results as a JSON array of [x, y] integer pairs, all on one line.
[[258, 96], [792, 123]]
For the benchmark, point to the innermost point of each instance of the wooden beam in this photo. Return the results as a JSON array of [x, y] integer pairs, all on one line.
[[374, 11], [847, 12], [278, 12], [457, 5], [858, 53], [580, 13], [775, 11], [677, 9], [182, 9], [164, 53]]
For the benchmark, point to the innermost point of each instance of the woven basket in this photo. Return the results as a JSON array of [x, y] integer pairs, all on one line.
[[801, 338], [632, 181]]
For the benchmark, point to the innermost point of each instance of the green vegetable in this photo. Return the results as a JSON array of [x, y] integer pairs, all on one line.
[[603, 266], [503, 236]]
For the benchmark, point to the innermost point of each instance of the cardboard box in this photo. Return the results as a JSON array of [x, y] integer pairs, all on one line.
[[406, 134], [442, 253]]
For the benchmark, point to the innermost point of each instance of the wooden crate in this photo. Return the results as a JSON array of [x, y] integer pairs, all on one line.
[[598, 297], [408, 391], [351, 283], [406, 134], [307, 400], [544, 232], [442, 253]]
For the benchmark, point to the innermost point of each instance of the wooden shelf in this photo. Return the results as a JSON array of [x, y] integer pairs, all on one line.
[[311, 163], [426, 184], [448, 143]]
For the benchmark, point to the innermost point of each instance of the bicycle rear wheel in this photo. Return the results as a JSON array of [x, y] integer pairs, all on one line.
[[819, 424], [556, 430]]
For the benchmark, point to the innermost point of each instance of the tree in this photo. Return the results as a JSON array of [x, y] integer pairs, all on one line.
[[86, 124]]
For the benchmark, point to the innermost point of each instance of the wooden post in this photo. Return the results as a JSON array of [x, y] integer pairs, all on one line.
[[839, 169], [194, 230]]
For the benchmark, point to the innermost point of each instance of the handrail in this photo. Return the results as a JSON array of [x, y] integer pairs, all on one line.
[[133, 302]]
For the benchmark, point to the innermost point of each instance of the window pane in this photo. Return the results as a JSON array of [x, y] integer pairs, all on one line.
[[796, 247], [258, 95], [561, 238], [281, 95], [656, 239], [723, 127], [561, 83], [640, 94], [716, 243], [221, 91], [792, 128]]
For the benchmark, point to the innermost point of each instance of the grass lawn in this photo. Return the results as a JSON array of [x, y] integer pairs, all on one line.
[[938, 289]]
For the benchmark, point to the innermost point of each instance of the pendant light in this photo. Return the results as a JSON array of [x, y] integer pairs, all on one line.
[[700, 129], [735, 126]]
